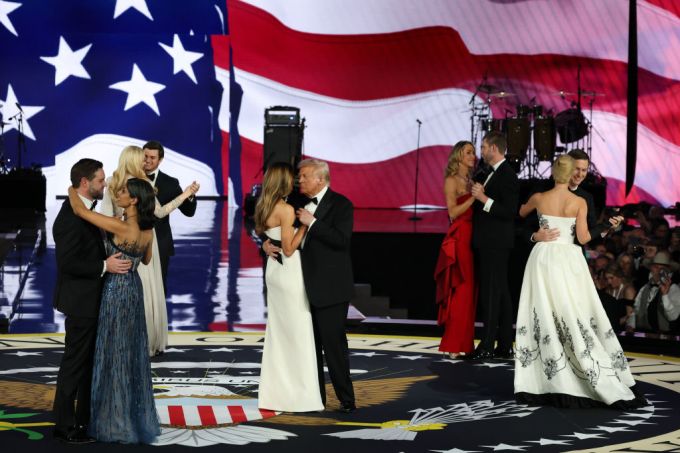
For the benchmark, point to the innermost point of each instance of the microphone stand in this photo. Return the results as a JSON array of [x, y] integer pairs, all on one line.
[[21, 139], [415, 217]]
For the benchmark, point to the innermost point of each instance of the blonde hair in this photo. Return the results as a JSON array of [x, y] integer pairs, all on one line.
[[455, 157], [562, 169], [130, 165], [277, 184], [320, 168]]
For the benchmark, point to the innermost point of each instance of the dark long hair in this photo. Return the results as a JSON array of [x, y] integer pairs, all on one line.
[[276, 185], [146, 202]]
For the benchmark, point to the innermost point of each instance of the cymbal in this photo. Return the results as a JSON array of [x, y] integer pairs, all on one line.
[[563, 93], [502, 94], [487, 88], [591, 93]]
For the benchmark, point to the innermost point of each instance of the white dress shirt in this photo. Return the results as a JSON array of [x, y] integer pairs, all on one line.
[[489, 202]]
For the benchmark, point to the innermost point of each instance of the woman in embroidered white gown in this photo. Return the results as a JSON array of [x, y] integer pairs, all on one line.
[[131, 165], [288, 377], [567, 354]]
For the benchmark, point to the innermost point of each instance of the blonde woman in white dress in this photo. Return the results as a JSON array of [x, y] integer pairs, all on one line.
[[289, 380], [131, 165], [567, 353]]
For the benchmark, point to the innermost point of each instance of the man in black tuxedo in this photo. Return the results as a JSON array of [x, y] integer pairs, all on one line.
[[596, 230], [494, 214], [81, 263], [168, 189], [327, 273]]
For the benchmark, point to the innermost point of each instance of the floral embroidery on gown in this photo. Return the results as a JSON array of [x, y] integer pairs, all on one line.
[[122, 406], [567, 353]]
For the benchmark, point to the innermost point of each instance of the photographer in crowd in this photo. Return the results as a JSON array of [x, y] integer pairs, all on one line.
[[657, 305]]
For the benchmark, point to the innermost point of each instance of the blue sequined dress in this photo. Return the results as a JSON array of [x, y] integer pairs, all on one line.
[[122, 407]]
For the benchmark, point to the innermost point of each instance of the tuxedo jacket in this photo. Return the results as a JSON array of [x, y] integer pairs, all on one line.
[[80, 260], [595, 229], [326, 260], [168, 189], [495, 229]]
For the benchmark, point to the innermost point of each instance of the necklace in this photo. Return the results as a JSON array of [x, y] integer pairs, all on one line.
[[464, 178]]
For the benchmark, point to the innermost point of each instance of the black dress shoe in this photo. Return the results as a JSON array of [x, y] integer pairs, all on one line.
[[504, 353], [481, 354], [74, 436], [347, 408]]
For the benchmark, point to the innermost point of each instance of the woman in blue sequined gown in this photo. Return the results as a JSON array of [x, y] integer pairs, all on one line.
[[122, 403], [567, 354]]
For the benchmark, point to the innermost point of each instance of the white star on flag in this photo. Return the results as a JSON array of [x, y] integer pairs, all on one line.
[[181, 59], [409, 357], [22, 353], [10, 109], [454, 361], [67, 62], [457, 450], [176, 350], [124, 5], [139, 90], [610, 429], [543, 441], [5, 9], [583, 436], [632, 422], [366, 354], [502, 447], [493, 365], [223, 350]]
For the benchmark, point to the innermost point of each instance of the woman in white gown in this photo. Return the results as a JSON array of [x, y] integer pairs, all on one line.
[[289, 379], [131, 165], [567, 354]]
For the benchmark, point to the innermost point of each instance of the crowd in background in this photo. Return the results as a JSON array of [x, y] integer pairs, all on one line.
[[636, 272]]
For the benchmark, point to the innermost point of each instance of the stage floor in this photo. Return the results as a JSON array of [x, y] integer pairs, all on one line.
[[409, 399]]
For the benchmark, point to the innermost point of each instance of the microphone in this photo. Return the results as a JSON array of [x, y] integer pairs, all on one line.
[[19, 107], [418, 121]]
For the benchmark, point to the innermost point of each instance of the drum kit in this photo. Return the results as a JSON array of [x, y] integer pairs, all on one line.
[[531, 129]]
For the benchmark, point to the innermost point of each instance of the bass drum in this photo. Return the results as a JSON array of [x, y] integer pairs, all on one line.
[[545, 138], [519, 135], [571, 125]]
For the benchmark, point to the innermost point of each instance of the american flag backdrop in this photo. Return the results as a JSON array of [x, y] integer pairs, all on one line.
[[94, 76], [363, 71]]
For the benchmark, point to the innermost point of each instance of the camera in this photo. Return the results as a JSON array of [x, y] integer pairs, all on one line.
[[665, 276]]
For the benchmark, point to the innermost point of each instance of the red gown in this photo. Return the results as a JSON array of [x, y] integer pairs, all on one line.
[[455, 280]]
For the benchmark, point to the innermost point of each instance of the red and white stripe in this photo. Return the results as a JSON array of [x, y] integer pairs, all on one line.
[[210, 415], [363, 71]]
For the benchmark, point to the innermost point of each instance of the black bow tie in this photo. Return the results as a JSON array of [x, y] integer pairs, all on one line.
[[151, 176], [312, 200], [94, 205]]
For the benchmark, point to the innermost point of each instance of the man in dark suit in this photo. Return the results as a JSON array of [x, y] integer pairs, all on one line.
[[327, 273], [596, 230], [81, 263], [494, 214], [168, 189]]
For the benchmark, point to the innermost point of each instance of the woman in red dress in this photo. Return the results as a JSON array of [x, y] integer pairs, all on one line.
[[454, 273]]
